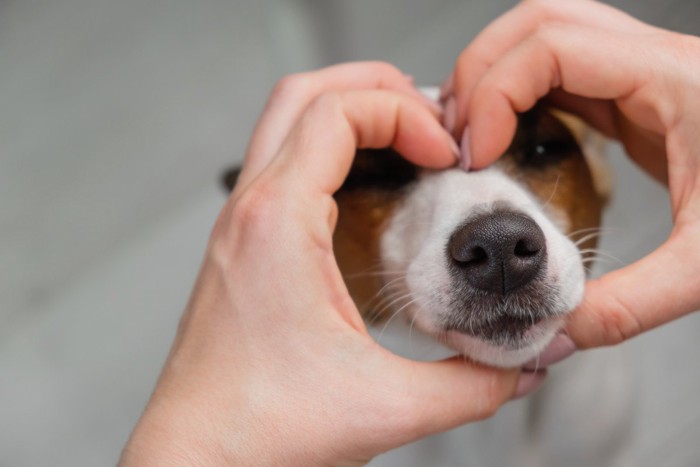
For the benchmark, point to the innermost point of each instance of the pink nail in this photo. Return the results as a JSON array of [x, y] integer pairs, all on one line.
[[437, 108], [528, 382], [447, 86], [454, 147], [450, 116], [411, 80], [466, 153], [560, 348]]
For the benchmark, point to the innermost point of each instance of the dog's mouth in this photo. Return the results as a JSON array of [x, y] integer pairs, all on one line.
[[511, 320], [501, 328], [502, 331]]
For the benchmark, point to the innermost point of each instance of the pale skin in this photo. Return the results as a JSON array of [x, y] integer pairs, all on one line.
[[635, 83], [272, 364]]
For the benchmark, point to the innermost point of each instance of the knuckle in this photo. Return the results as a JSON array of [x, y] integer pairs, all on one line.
[[328, 100], [256, 209], [473, 57], [543, 8], [620, 323], [681, 48], [326, 104], [241, 219], [541, 4], [290, 85], [674, 41], [386, 69], [547, 32], [491, 398]]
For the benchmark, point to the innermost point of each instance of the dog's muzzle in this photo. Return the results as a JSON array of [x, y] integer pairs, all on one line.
[[497, 261]]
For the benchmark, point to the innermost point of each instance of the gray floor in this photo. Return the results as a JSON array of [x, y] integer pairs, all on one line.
[[115, 120]]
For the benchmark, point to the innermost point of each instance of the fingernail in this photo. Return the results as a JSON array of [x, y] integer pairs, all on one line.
[[450, 115], [446, 87], [453, 146], [560, 348], [410, 78], [466, 152], [528, 382], [428, 95], [437, 108]]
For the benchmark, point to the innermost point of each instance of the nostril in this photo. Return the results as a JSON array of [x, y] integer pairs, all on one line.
[[478, 255], [526, 248], [497, 252], [470, 256]]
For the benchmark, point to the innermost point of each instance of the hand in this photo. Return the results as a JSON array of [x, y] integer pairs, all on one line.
[[272, 363], [632, 81]]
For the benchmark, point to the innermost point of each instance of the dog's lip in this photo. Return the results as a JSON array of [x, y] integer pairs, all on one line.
[[508, 351], [514, 328], [511, 326]]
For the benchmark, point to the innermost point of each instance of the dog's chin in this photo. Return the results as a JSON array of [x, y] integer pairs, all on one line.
[[508, 351]]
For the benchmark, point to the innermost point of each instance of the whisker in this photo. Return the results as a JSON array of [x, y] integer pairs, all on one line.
[[410, 329], [390, 284], [388, 296], [602, 254], [355, 275], [585, 238], [583, 231], [380, 296], [393, 301], [554, 190], [394, 316], [603, 229]]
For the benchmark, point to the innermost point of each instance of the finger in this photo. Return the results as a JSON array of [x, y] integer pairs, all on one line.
[[294, 190], [294, 93], [646, 148], [566, 57], [599, 113], [446, 394], [320, 149], [516, 25], [558, 349], [655, 290]]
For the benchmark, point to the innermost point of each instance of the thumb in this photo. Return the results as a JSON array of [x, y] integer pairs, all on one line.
[[449, 393], [659, 288]]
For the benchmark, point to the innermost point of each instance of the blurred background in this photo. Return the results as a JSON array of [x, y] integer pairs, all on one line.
[[116, 120]]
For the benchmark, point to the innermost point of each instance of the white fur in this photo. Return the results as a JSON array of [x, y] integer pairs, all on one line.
[[415, 242]]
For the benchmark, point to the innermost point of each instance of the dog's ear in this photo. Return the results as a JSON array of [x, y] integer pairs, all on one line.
[[594, 147], [230, 177], [379, 170]]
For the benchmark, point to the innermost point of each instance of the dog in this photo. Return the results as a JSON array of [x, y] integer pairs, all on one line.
[[488, 262]]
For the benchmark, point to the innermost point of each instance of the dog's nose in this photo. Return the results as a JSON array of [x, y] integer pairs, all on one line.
[[498, 252]]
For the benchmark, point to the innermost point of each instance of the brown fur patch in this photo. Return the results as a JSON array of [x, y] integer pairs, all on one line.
[[362, 218], [366, 201], [565, 187]]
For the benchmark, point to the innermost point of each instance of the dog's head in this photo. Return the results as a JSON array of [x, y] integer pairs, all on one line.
[[485, 261]]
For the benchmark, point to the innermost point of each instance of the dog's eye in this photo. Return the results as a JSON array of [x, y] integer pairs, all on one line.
[[546, 151], [541, 140]]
